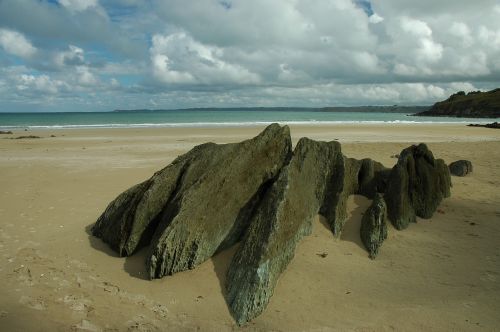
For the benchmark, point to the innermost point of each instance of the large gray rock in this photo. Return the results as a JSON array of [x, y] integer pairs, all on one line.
[[460, 167], [196, 204], [373, 229], [416, 186], [208, 212], [283, 217]]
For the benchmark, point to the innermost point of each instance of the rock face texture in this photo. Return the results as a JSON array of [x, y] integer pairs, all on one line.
[[372, 178], [475, 104], [374, 225], [200, 201], [284, 216], [460, 167], [364, 177], [260, 193], [416, 186]]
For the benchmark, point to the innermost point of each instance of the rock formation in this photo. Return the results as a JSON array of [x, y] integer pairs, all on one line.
[[373, 229], [284, 216], [460, 167], [493, 125], [196, 204], [259, 193], [416, 186], [475, 104]]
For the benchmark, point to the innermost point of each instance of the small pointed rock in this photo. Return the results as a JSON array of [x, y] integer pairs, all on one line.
[[374, 225]]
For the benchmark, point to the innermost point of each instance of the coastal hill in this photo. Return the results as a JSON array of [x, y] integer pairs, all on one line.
[[475, 104]]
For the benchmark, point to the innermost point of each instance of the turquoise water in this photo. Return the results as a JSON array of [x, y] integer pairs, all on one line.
[[207, 118]]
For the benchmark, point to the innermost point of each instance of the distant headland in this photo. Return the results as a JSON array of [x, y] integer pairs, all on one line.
[[474, 104]]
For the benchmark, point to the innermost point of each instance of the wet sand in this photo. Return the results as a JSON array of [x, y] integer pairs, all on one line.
[[439, 274]]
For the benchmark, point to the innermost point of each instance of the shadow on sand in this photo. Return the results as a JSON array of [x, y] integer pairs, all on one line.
[[221, 262], [134, 265], [352, 225]]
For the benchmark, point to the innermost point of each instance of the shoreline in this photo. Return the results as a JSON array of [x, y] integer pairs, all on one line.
[[190, 125]]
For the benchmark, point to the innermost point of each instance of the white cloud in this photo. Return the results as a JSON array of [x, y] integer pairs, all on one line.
[[163, 72], [489, 37], [375, 18], [367, 62], [85, 77], [415, 27], [429, 50], [462, 31], [73, 56], [15, 43], [178, 58], [463, 86], [42, 83], [282, 52], [79, 5]]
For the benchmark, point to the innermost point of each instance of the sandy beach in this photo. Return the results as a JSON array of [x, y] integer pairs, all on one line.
[[441, 274]]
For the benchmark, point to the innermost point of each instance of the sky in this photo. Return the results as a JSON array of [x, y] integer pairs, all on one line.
[[101, 55]]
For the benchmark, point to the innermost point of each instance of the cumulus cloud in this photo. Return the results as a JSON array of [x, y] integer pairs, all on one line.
[[73, 56], [42, 83], [375, 18], [85, 77], [79, 5], [16, 43], [178, 58], [173, 53]]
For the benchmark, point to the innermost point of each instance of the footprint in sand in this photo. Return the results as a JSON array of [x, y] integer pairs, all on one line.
[[33, 303], [24, 275], [29, 254], [80, 265], [77, 303], [160, 310], [140, 323], [86, 325], [110, 288]]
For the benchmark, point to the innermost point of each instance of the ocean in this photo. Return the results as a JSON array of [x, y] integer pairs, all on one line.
[[208, 118]]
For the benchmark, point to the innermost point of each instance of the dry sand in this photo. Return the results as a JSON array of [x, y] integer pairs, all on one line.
[[439, 274]]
